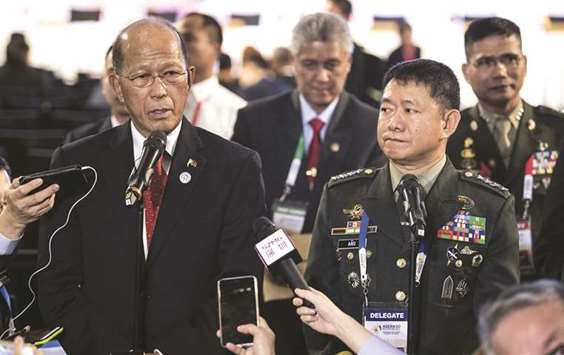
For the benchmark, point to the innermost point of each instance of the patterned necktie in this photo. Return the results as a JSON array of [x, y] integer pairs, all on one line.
[[152, 198], [502, 135], [314, 150]]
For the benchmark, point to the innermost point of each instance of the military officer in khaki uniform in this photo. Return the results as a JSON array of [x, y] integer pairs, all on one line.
[[470, 242], [503, 137]]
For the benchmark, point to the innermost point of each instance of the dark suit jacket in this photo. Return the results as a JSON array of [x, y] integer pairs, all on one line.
[[365, 77], [88, 129], [203, 233], [549, 251], [538, 124], [273, 126], [446, 326]]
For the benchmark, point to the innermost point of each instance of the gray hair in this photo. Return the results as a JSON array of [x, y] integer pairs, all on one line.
[[513, 299], [323, 27]]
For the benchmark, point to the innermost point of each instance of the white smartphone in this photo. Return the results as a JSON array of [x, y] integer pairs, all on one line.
[[238, 304]]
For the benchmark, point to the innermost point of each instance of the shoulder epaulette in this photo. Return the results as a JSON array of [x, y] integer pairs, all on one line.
[[544, 110], [352, 175], [485, 182]]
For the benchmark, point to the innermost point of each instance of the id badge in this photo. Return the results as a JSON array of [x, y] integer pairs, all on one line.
[[388, 321], [289, 215], [525, 245]]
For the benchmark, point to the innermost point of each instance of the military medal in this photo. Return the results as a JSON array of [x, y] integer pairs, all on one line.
[[462, 288], [464, 228], [353, 279]]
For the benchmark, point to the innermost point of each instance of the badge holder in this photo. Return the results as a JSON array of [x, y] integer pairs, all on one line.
[[286, 214], [389, 321]]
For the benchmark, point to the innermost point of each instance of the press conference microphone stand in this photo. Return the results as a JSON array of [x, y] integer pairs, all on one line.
[[413, 222]]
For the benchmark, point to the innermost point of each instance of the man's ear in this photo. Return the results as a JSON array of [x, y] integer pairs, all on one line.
[[116, 87], [190, 73], [465, 67], [450, 121]]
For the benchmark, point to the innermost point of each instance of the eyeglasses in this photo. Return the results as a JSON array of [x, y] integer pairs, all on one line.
[[509, 61], [169, 77]]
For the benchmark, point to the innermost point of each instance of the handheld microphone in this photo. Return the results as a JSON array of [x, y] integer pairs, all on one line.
[[278, 254], [140, 176], [414, 203]]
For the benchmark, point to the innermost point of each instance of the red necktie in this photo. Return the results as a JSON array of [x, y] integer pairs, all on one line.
[[314, 150], [152, 198]]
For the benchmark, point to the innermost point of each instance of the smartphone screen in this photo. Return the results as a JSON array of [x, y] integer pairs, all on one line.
[[238, 304]]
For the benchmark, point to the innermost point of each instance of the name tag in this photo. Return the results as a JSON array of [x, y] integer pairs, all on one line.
[[388, 321], [347, 244]]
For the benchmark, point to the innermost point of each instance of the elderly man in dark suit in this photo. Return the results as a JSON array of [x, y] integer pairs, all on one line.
[[204, 194], [119, 114], [306, 136]]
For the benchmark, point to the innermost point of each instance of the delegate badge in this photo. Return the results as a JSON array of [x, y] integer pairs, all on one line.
[[464, 228], [525, 246], [388, 321], [289, 215]]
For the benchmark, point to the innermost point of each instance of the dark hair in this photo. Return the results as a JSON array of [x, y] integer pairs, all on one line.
[[344, 6], [117, 50], [198, 21], [5, 166], [403, 26], [252, 55], [224, 61], [439, 78], [491, 26]]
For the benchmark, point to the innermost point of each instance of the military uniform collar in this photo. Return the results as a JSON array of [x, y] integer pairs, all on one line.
[[490, 117], [426, 179]]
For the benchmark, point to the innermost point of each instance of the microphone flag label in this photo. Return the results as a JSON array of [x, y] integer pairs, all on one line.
[[274, 247]]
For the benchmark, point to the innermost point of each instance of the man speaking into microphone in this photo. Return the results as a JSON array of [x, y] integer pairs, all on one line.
[[360, 252], [199, 195]]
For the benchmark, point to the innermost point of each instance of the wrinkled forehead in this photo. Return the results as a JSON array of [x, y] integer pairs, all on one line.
[[149, 45]]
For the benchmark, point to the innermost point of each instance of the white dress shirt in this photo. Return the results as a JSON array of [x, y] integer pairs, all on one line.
[[308, 113], [218, 110], [138, 141]]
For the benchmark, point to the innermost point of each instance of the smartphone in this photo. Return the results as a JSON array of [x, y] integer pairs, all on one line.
[[71, 179], [238, 305]]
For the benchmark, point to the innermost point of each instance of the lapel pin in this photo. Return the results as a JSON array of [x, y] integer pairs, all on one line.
[[192, 162], [185, 177], [335, 147], [531, 125]]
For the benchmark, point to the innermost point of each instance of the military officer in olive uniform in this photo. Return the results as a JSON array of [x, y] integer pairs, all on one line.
[[503, 137], [470, 243]]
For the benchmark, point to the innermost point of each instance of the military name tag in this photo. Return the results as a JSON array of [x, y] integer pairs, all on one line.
[[464, 228], [289, 215], [347, 244], [388, 321]]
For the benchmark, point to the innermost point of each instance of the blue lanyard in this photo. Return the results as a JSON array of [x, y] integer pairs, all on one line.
[[362, 254], [6, 297]]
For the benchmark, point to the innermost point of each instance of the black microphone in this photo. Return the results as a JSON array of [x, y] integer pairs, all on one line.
[[140, 176], [278, 254], [414, 203]]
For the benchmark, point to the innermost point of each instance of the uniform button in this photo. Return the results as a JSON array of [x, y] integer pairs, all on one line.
[[458, 263], [368, 171], [401, 263], [468, 174], [350, 255], [368, 253], [401, 296]]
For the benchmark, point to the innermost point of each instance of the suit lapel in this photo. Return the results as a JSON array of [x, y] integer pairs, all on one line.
[[336, 142], [117, 164], [381, 207], [288, 131], [177, 194], [525, 145]]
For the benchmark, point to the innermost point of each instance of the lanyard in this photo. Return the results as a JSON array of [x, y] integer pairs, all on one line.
[[528, 187], [362, 255], [294, 168]]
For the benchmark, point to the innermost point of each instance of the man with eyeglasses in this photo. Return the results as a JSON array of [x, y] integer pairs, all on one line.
[[503, 137], [195, 227]]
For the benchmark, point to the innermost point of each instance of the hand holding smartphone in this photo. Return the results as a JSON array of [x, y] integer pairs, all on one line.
[[238, 304]]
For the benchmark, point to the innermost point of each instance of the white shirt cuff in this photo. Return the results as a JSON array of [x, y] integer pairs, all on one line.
[[375, 345], [7, 245]]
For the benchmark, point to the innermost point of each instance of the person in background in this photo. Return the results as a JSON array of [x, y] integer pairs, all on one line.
[[367, 70], [118, 112], [256, 79], [525, 320], [210, 105], [304, 137], [407, 49], [225, 75], [282, 64], [503, 137]]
